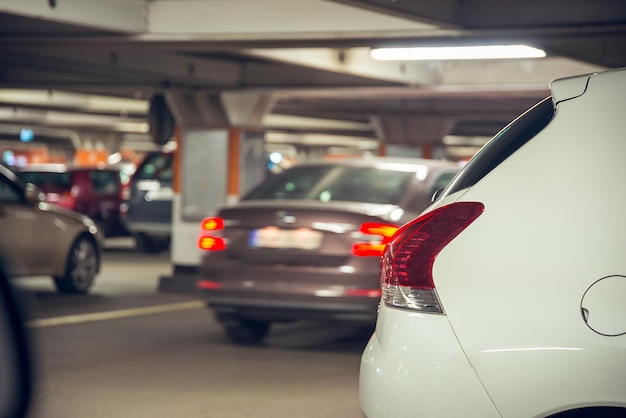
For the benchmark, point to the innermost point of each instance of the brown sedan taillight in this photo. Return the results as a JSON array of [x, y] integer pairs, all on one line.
[[208, 240], [380, 234]]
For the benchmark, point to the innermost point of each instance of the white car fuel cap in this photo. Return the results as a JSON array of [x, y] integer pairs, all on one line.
[[603, 306]]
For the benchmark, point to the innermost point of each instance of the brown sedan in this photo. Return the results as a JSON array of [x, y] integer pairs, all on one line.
[[305, 244]]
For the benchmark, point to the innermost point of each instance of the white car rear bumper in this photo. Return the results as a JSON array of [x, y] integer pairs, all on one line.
[[411, 347]]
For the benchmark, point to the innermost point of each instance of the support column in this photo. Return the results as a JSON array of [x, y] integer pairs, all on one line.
[[234, 169], [220, 156], [382, 148]]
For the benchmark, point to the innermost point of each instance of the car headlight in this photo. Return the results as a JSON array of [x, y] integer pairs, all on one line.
[[90, 224]]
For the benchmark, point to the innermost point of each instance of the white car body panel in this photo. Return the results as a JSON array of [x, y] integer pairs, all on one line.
[[433, 379], [512, 284]]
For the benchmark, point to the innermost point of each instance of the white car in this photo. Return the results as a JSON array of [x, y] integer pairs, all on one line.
[[507, 297]]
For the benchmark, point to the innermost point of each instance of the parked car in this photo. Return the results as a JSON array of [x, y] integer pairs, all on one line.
[[147, 210], [305, 243], [95, 192], [40, 238], [16, 352], [505, 297]]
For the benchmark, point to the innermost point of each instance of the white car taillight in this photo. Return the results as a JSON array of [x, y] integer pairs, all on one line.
[[407, 263]]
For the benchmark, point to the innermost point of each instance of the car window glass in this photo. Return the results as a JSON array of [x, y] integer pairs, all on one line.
[[335, 183], [47, 181], [8, 192], [104, 182], [503, 145], [290, 184], [365, 184], [441, 181], [156, 167]]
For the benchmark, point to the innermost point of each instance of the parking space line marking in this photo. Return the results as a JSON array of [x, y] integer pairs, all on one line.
[[104, 316]]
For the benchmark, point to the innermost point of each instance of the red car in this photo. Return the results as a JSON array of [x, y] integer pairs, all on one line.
[[95, 192]]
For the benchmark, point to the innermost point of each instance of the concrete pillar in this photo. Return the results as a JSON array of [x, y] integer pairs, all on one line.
[[420, 132], [220, 156], [245, 112]]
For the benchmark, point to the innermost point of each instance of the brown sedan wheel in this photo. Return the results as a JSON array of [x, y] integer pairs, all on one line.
[[82, 266], [244, 331]]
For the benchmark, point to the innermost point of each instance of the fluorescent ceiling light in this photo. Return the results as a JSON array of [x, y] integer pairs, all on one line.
[[457, 53]]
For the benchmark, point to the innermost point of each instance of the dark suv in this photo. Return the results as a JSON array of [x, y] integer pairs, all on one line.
[[95, 192], [147, 212]]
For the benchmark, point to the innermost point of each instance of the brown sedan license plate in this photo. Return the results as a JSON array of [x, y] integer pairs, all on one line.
[[271, 237]]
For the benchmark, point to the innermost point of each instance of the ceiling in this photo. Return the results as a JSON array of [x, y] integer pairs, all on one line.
[[90, 66]]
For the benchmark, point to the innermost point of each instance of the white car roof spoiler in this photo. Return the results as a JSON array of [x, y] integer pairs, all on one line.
[[569, 87]]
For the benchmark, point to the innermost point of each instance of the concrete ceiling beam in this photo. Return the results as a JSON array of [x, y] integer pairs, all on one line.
[[112, 15], [414, 130], [205, 109]]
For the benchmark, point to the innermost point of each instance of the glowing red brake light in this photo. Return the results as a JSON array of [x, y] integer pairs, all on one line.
[[208, 285], [212, 224], [370, 293], [211, 242], [66, 200], [380, 233], [406, 266]]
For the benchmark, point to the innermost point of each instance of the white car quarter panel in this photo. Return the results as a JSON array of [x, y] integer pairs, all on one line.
[[512, 282], [423, 365]]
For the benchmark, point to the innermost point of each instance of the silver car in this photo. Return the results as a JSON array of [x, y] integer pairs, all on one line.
[[39, 238]]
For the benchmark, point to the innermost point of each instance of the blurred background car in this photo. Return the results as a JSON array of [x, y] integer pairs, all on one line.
[[16, 351], [147, 209], [44, 239], [95, 192], [305, 243], [506, 297]]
